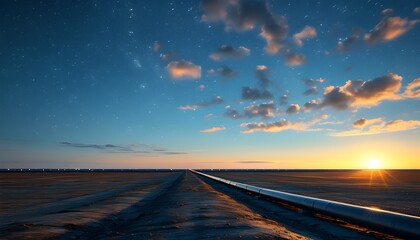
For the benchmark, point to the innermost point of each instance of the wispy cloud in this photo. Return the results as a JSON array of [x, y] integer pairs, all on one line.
[[213, 129], [281, 125], [226, 51], [215, 101], [381, 127], [389, 28], [125, 148], [413, 89], [307, 32]]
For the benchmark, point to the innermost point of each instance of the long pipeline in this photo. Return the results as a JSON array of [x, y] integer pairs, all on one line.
[[398, 224]]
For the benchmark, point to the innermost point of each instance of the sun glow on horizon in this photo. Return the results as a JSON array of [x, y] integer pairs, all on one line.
[[374, 163]]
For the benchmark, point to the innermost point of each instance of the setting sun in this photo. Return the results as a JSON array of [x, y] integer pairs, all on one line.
[[374, 163]]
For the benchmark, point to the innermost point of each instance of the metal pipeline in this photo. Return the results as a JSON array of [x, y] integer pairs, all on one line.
[[398, 224]]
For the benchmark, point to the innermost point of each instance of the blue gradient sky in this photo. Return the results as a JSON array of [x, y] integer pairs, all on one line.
[[84, 84]]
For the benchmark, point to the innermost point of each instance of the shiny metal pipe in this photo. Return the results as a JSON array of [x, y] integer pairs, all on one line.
[[398, 224]]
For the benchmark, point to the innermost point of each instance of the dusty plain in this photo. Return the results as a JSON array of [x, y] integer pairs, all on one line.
[[163, 205]]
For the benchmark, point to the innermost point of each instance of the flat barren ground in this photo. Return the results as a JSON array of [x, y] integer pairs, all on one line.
[[393, 190], [150, 205]]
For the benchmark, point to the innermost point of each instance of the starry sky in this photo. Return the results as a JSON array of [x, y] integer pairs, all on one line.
[[209, 84]]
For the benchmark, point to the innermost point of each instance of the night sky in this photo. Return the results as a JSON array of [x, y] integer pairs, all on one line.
[[209, 84]]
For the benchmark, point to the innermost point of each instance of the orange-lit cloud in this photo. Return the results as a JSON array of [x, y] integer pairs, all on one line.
[[307, 32], [381, 127], [183, 70], [295, 59], [413, 89], [389, 28], [213, 129], [358, 93], [293, 108], [274, 33], [363, 122], [281, 125]]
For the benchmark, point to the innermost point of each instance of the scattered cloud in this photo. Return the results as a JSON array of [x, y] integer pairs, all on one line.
[[253, 94], [224, 71], [416, 10], [183, 70], [307, 32], [311, 91], [213, 129], [389, 28], [264, 110], [360, 93], [295, 59], [345, 44], [261, 72], [381, 127], [281, 125], [363, 122], [413, 89], [244, 15], [226, 51], [309, 106], [215, 101], [293, 108]]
